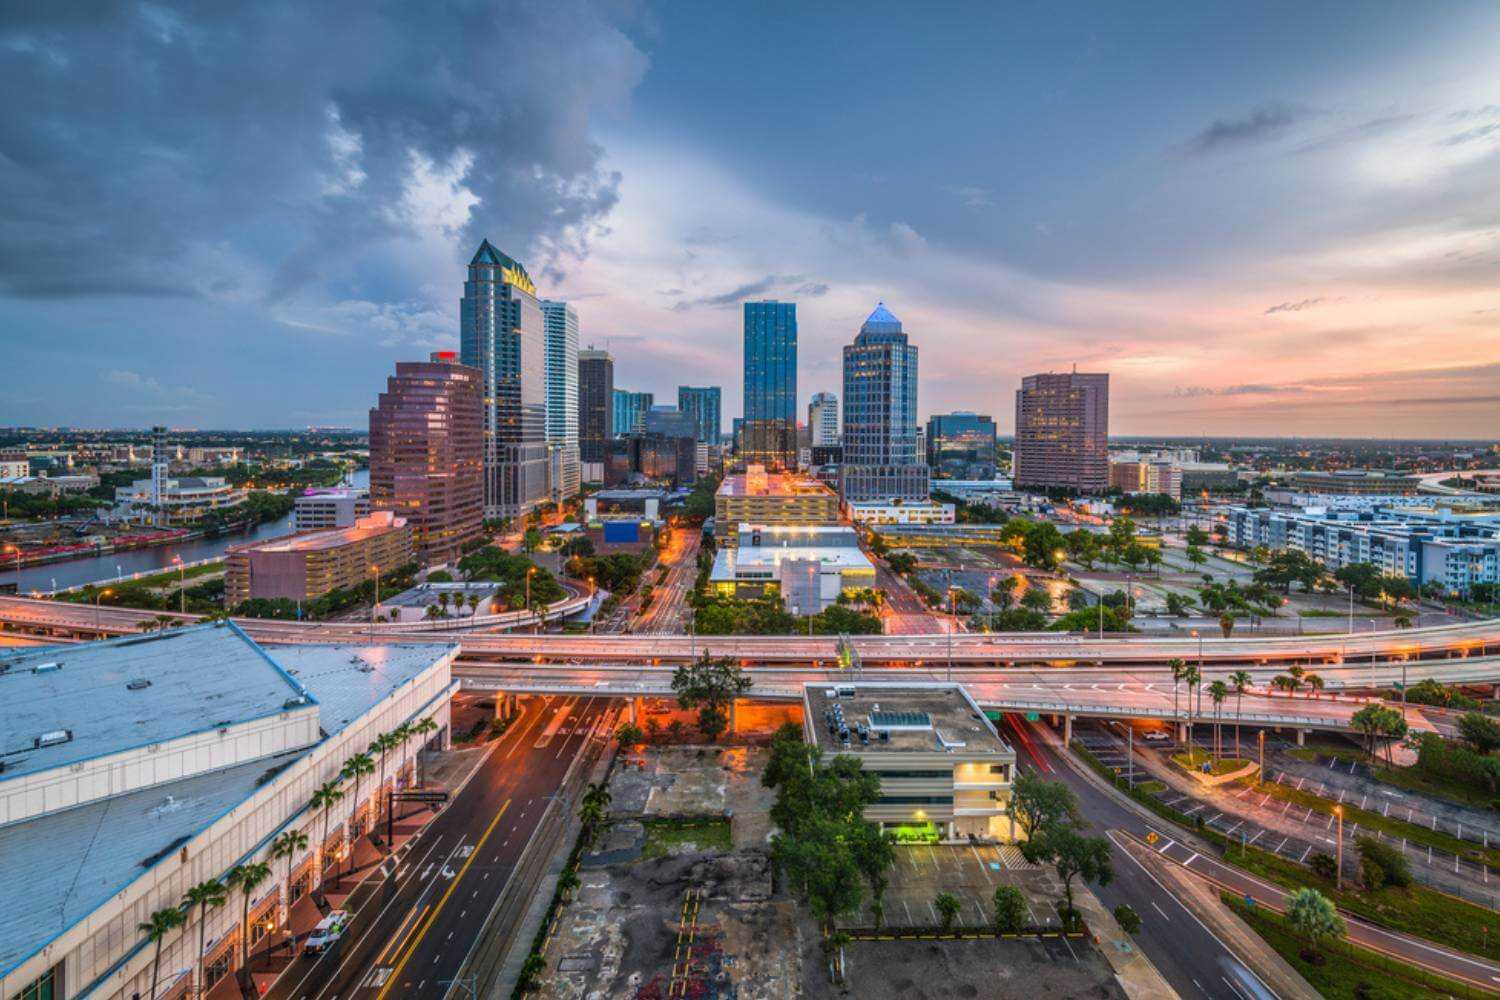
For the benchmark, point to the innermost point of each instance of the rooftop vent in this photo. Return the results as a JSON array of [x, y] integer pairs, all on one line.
[[46, 668], [53, 738], [900, 720], [139, 684], [291, 703]]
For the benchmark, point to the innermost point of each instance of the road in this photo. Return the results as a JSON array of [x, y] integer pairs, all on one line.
[[1191, 958], [904, 613], [1109, 810], [411, 933], [669, 613]]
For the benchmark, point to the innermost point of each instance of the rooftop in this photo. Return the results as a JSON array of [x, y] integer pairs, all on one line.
[[917, 718], [424, 594], [62, 705], [777, 484], [726, 560], [366, 527], [348, 681]]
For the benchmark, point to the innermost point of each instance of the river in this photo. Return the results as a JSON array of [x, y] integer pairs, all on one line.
[[90, 568]]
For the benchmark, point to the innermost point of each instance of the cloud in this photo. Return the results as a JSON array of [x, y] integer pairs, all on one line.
[[974, 197], [133, 380], [906, 240], [1247, 389], [284, 145], [1293, 306], [795, 284], [147, 385], [1262, 123]]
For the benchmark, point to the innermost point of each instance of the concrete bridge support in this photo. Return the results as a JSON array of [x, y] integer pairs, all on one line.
[[635, 706], [1067, 730], [733, 713], [506, 706], [1301, 737], [1182, 732]]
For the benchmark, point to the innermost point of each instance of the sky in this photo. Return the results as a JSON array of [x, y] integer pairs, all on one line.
[[1267, 219]]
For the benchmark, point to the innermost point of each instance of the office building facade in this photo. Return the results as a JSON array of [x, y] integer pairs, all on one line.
[[703, 404], [769, 434], [880, 459], [427, 450], [596, 404], [304, 567], [503, 334], [774, 498], [962, 445], [823, 420], [630, 411], [563, 475], [1062, 432]]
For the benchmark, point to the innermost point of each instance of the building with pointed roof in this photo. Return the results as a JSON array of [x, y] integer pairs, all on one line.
[[881, 456]]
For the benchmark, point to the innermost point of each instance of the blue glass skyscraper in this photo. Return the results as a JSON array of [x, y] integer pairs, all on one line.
[[881, 458], [702, 404], [769, 433]]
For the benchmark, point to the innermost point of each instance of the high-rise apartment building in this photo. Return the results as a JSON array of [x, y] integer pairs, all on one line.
[[881, 457], [962, 445], [630, 411], [702, 403], [1062, 432], [823, 419], [427, 449], [502, 333], [596, 408], [563, 475], [769, 434]]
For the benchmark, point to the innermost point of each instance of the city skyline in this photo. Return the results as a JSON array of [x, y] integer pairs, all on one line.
[[1301, 248]]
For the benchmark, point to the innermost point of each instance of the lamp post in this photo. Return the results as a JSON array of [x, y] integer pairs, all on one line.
[[1262, 755], [1338, 876], [376, 570], [99, 596], [181, 584], [1351, 609], [530, 570], [952, 624]]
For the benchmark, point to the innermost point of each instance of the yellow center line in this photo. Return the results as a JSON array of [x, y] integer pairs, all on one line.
[[396, 972], [407, 928]]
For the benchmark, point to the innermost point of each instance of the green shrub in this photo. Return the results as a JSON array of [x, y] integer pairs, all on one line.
[[1391, 863], [1127, 918]]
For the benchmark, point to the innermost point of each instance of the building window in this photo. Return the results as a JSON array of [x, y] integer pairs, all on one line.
[[44, 987], [217, 968]]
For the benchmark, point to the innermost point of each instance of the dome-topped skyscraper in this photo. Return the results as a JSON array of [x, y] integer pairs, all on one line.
[[881, 460]]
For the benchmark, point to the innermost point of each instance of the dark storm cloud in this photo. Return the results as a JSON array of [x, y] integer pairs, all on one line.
[[796, 284], [155, 149], [1262, 123]]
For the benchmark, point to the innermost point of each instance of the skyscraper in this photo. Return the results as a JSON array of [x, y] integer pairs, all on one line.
[[563, 475], [501, 332], [769, 435], [961, 445], [630, 411], [881, 459], [596, 404], [1062, 432], [823, 419], [702, 404], [427, 453]]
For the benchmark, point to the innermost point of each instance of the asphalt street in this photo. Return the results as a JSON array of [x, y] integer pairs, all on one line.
[[411, 931]]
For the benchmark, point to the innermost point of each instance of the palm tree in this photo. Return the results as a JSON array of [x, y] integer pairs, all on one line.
[[1314, 684], [1193, 678], [246, 878], [1284, 682], [1217, 692], [382, 745], [156, 928], [356, 767], [288, 845], [443, 601], [325, 797], [1239, 680], [425, 727], [1178, 669], [203, 895], [592, 809], [473, 602], [1297, 672]]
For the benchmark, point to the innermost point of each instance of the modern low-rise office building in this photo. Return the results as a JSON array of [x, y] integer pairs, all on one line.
[[945, 772], [962, 445], [906, 512], [773, 498], [182, 498], [809, 567], [1356, 482], [307, 566], [329, 508], [138, 767]]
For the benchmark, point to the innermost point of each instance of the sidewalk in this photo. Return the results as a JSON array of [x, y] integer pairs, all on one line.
[[1137, 976]]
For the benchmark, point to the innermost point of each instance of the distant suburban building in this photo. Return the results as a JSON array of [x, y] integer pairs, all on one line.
[[809, 567], [596, 410], [180, 498], [1062, 432], [329, 508], [1436, 545], [881, 460], [427, 450], [630, 410], [900, 512], [1356, 482], [307, 566], [563, 474], [703, 404], [769, 434], [823, 420], [945, 773], [503, 334], [1146, 477], [771, 498], [214, 456], [962, 445], [154, 766], [1209, 477]]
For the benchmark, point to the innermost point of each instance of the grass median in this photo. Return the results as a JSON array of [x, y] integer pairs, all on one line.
[[1407, 778], [1192, 762]]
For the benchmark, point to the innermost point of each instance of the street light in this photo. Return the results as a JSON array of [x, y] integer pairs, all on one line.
[[530, 570], [952, 624], [374, 568], [99, 596], [1338, 877], [1262, 755], [181, 577]]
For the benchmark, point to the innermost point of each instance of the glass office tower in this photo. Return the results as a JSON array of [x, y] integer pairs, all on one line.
[[702, 404], [769, 433], [502, 333], [596, 404], [882, 460], [563, 474], [630, 411]]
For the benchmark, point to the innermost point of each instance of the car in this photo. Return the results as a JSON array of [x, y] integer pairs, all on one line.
[[327, 933], [1156, 736]]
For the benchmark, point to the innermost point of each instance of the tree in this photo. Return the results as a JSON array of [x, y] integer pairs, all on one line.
[[288, 845], [629, 734], [1036, 802], [1072, 855], [156, 928], [1314, 684], [948, 908], [710, 686], [1005, 591], [531, 540], [1127, 918], [1285, 682], [204, 895], [1010, 909], [593, 810], [1217, 692], [1391, 863], [1179, 671], [1177, 605], [245, 878], [530, 978], [356, 767], [1240, 682], [1082, 547], [380, 746], [1226, 622], [1376, 723], [874, 852], [1480, 731], [1036, 599], [1195, 555], [1313, 916], [1192, 678], [325, 797]]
